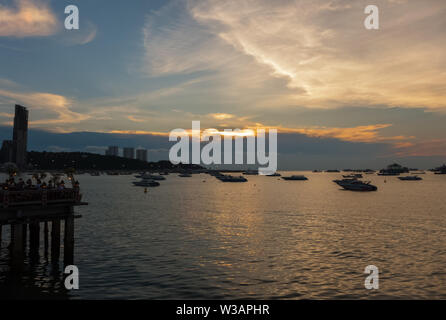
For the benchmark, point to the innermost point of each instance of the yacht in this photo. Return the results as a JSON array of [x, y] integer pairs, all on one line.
[[251, 172], [294, 177], [229, 178], [355, 185], [146, 183], [440, 170], [185, 175], [275, 174], [410, 178], [355, 175], [153, 177]]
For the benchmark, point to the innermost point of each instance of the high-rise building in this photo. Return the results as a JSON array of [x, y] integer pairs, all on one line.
[[129, 153], [112, 151], [6, 151], [141, 154], [20, 136]]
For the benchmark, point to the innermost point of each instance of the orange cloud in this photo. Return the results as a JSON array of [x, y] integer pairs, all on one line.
[[28, 19], [429, 148], [368, 133], [221, 116], [53, 103]]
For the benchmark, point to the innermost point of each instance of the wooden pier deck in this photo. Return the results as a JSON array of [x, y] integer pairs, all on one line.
[[26, 210]]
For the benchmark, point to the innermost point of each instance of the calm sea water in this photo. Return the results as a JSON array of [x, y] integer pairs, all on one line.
[[199, 238]]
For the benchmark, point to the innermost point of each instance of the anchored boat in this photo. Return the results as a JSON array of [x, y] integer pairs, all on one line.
[[355, 185], [295, 177], [410, 178]]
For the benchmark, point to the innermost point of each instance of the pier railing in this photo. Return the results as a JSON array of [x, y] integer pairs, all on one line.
[[41, 197]]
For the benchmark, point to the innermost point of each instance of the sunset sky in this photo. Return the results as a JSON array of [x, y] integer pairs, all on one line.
[[309, 68]]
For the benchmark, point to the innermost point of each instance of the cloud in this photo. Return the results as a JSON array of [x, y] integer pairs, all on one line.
[[28, 18], [427, 148], [48, 108], [221, 116], [312, 53], [87, 33], [369, 133]]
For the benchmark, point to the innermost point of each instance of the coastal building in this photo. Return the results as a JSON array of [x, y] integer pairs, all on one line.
[[129, 153], [20, 136], [15, 150], [112, 151], [141, 154], [6, 151]]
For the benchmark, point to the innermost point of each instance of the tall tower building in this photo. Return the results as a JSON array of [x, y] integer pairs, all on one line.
[[141, 154], [20, 136], [129, 153]]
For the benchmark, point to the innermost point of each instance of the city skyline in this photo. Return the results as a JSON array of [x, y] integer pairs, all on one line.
[[313, 72]]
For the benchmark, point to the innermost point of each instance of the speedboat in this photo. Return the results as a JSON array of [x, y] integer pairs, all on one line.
[[410, 178], [294, 177], [355, 175], [146, 183], [185, 175], [251, 172], [229, 178], [152, 177], [275, 174], [355, 185]]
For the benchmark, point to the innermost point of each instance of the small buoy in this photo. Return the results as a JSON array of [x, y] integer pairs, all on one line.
[[145, 190]]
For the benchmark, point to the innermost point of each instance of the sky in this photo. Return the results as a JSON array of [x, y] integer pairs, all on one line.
[[337, 92]]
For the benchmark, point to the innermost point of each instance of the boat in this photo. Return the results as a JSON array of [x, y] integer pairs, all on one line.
[[185, 175], [251, 172], [393, 170], [332, 171], [355, 175], [146, 183], [410, 178], [275, 174], [440, 170], [229, 178], [317, 171], [153, 177], [356, 185], [294, 177]]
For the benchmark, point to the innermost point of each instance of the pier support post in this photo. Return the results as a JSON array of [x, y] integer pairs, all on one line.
[[34, 238], [25, 235], [45, 237], [69, 240], [17, 242], [55, 240]]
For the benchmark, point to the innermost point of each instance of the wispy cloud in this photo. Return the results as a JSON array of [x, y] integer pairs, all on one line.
[[48, 108], [314, 53], [27, 18]]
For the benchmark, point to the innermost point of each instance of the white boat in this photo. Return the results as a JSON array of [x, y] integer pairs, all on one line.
[[295, 177]]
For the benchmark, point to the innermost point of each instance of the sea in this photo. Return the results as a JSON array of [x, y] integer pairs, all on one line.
[[200, 238]]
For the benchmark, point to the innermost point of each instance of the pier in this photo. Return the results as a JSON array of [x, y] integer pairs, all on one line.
[[28, 212]]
